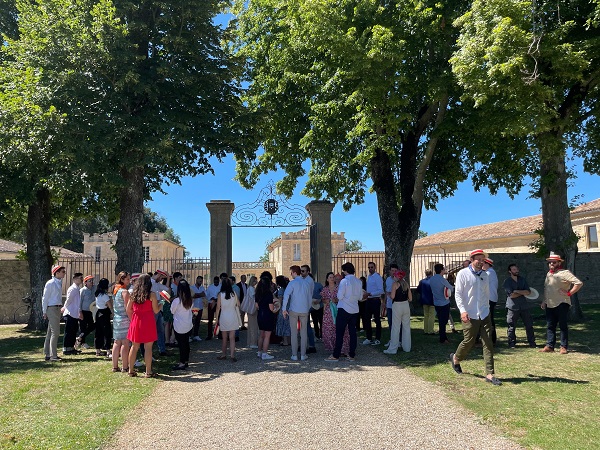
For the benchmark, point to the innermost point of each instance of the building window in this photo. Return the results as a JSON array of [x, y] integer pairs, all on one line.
[[592, 236], [146, 254], [297, 256], [97, 254]]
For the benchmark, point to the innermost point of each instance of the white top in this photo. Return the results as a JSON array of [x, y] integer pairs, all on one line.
[[101, 301], [52, 295], [72, 302], [182, 318], [349, 293], [197, 301], [213, 291], [472, 292], [493, 285]]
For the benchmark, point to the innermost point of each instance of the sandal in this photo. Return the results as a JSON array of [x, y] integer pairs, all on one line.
[[234, 359], [124, 370], [132, 374], [150, 375], [116, 369], [222, 357]]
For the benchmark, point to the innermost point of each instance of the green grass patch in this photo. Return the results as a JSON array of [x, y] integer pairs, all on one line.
[[75, 403], [547, 400]]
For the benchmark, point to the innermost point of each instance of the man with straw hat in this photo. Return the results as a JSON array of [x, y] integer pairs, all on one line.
[[517, 290], [472, 291], [559, 286]]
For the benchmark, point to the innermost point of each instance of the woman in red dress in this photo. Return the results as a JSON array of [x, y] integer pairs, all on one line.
[[142, 330]]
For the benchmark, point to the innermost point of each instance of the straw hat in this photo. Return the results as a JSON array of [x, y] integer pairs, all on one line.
[[554, 257], [489, 261], [478, 252], [88, 278], [56, 269]]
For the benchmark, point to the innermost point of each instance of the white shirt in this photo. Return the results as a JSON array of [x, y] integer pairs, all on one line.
[[493, 285], [182, 318], [101, 301], [212, 292], [197, 301], [72, 302], [157, 288], [349, 293], [472, 292], [52, 295]]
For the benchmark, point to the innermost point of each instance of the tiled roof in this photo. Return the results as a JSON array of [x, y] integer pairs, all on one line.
[[10, 246], [14, 247], [514, 227]]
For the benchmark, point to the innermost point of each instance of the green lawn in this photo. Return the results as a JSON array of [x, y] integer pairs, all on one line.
[[548, 401]]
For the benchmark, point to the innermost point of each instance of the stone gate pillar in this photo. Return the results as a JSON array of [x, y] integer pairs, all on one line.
[[220, 237], [320, 239]]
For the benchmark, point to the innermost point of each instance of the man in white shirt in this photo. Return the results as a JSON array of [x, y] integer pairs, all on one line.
[[375, 294], [472, 299], [51, 308], [198, 294], [72, 314], [297, 299], [349, 293]]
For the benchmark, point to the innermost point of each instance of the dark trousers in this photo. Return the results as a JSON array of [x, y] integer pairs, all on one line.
[[71, 326], [362, 311], [558, 315], [317, 320], [184, 346], [211, 318], [443, 313], [494, 336], [470, 331], [86, 325], [373, 308], [103, 339], [196, 319], [511, 321], [343, 320]]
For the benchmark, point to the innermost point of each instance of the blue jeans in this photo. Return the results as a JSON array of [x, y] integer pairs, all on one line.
[[160, 331], [558, 315], [343, 320], [310, 333]]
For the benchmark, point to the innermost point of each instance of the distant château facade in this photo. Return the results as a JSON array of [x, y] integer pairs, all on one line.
[[155, 246]]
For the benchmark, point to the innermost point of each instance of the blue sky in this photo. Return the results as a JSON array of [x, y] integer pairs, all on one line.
[[184, 207]]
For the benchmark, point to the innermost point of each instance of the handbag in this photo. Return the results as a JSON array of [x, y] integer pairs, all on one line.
[[248, 305]]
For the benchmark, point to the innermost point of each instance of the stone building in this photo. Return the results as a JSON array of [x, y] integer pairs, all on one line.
[[294, 249], [155, 246]]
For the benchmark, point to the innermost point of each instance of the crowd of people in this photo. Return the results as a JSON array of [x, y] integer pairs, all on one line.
[[296, 311]]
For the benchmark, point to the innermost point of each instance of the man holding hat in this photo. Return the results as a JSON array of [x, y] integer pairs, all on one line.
[[517, 289], [51, 308], [472, 298], [86, 323], [559, 286]]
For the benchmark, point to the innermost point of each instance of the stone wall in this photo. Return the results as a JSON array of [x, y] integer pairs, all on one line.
[[14, 285]]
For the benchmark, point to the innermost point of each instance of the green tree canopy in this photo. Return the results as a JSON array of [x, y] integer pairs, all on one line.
[[363, 90]]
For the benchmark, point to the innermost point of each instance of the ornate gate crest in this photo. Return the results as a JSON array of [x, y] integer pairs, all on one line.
[[269, 210]]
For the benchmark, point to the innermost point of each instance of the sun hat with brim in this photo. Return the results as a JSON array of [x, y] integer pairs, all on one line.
[[533, 294], [165, 296], [135, 276], [489, 261], [88, 278], [162, 272], [554, 257], [478, 252], [56, 269]]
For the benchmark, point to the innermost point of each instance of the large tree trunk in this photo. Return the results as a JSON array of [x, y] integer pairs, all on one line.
[[130, 255], [38, 253], [558, 230]]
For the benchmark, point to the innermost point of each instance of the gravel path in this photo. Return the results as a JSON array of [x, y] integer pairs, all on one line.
[[282, 404]]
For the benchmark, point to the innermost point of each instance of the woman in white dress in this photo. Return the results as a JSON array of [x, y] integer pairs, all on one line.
[[229, 318]]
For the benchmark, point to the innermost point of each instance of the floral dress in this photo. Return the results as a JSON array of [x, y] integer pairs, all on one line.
[[327, 295], [283, 323]]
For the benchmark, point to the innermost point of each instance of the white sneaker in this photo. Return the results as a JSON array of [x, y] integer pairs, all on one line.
[[190, 340], [254, 346], [366, 342], [294, 358], [388, 344], [389, 352], [259, 354], [304, 357], [87, 347], [375, 342], [138, 364], [197, 338], [267, 356]]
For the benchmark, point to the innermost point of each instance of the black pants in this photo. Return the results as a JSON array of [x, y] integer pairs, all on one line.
[[197, 318], [362, 310], [373, 308], [103, 340], [71, 325], [86, 325], [184, 346], [560, 316], [511, 321], [317, 320], [211, 318], [343, 320], [443, 313]]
